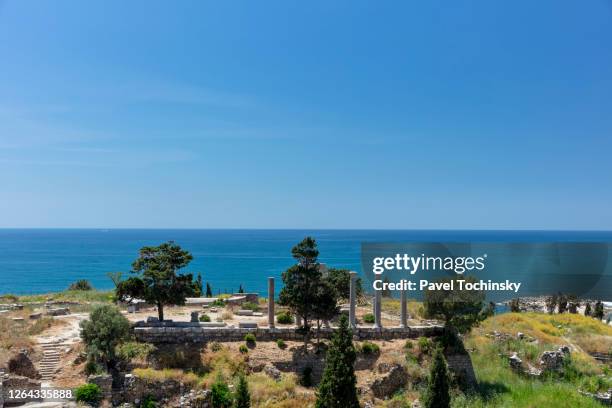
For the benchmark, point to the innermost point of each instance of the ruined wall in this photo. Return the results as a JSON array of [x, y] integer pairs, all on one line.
[[177, 334]]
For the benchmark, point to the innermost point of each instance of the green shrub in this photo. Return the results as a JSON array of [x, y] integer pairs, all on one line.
[[250, 306], [408, 345], [249, 338], [369, 348], [148, 402], [284, 318], [205, 318], [425, 345], [92, 367], [81, 284], [281, 344], [243, 349], [88, 393], [218, 303], [368, 318], [221, 396], [132, 349], [215, 346]]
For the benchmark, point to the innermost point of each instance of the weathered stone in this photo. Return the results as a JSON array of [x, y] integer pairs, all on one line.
[[272, 372], [515, 362], [392, 381], [244, 312], [553, 360], [58, 311], [104, 381]]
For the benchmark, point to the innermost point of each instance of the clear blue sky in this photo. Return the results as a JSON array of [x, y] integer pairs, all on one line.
[[467, 114]]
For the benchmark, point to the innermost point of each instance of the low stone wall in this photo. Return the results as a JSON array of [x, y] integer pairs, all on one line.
[[177, 334]]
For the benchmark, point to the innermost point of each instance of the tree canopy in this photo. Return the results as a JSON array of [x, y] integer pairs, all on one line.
[[158, 282], [103, 332], [341, 280], [460, 309]]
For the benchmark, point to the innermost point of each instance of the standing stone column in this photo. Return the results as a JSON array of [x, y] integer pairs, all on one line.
[[403, 310], [271, 303], [352, 298], [377, 309]]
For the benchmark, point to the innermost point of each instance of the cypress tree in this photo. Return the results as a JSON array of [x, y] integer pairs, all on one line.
[[220, 394], [242, 398], [338, 385], [598, 313], [208, 290], [587, 309], [438, 385]]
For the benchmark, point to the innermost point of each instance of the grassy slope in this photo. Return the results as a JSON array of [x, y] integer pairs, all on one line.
[[500, 387], [96, 296]]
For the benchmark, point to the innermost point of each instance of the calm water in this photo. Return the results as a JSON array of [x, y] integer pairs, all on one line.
[[38, 261]]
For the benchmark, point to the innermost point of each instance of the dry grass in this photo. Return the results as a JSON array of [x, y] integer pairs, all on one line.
[[225, 362], [594, 343], [265, 392], [149, 374]]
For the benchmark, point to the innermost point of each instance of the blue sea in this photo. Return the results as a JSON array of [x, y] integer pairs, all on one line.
[[46, 260]]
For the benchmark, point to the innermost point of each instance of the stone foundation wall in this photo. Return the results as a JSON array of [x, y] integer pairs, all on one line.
[[196, 334], [461, 366]]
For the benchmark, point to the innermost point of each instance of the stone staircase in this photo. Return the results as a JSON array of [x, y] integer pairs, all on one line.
[[51, 359]]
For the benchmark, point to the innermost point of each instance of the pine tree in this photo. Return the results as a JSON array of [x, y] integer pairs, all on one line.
[[242, 399], [438, 386], [241, 289], [338, 385], [208, 290]]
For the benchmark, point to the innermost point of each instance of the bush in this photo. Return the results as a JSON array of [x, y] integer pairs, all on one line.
[[243, 349], [81, 284], [249, 338], [132, 349], [205, 318], [148, 402], [218, 303], [408, 345], [369, 348], [368, 318], [215, 346], [284, 318], [92, 367], [281, 344], [250, 306], [88, 393], [425, 345], [221, 396]]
